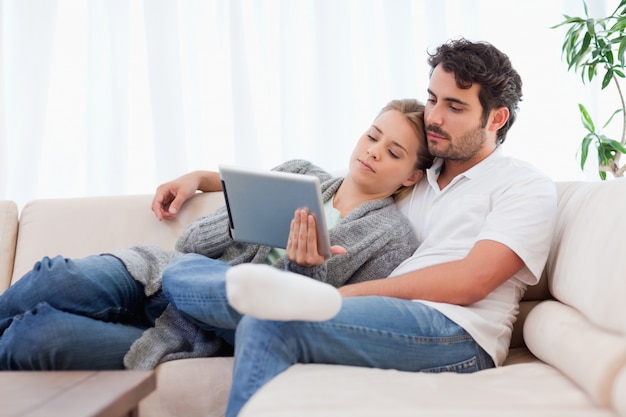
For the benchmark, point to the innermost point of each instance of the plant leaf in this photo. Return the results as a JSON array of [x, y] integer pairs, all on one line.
[[611, 118], [619, 25], [622, 47], [584, 150], [607, 78], [586, 119], [609, 57], [591, 71], [591, 27], [568, 21], [615, 145], [604, 154]]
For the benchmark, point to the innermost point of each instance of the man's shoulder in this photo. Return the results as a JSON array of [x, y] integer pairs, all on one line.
[[516, 171]]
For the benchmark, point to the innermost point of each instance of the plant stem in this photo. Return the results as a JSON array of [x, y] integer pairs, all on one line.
[[623, 141], [621, 97]]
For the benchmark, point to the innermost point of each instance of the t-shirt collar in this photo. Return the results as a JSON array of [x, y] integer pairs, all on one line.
[[433, 172]]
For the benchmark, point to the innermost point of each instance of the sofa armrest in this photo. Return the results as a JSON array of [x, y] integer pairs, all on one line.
[[8, 239], [563, 337]]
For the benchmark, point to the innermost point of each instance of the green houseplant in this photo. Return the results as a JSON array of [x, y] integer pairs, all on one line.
[[595, 47]]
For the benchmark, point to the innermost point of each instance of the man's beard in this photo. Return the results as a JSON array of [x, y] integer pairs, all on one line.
[[461, 149]]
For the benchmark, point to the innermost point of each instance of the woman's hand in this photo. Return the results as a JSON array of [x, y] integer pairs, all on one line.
[[170, 196], [302, 244]]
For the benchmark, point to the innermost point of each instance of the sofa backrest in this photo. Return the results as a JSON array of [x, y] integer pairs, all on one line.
[[77, 227], [8, 237], [584, 268]]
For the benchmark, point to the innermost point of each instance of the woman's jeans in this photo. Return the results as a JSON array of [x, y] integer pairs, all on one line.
[[378, 332], [74, 314]]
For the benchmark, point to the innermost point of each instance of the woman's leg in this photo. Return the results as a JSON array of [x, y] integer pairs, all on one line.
[[73, 314], [378, 332], [47, 339], [99, 287], [195, 285]]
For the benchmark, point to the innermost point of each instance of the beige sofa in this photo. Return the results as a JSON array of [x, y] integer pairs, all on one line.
[[568, 355]]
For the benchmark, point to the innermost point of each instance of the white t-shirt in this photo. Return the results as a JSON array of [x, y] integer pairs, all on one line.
[[500, 199]]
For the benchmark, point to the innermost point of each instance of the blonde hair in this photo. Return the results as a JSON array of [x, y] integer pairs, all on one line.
[[413, 111]]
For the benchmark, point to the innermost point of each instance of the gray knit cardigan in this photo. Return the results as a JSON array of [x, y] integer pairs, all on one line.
[[376, 235]]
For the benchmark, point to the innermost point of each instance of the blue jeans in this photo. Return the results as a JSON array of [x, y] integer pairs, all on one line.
[[73, 314], [379, 332]]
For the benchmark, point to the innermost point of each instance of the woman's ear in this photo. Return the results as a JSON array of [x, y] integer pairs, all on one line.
[[414, 178]]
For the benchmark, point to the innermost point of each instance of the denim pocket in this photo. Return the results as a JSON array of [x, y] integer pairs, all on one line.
[[464, 367]]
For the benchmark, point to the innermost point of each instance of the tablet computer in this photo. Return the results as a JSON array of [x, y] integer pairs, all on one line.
[[261, 205]]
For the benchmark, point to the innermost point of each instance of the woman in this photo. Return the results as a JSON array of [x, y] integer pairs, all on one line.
[[65, 306]]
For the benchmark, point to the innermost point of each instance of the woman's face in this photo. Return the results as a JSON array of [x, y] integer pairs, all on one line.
[[385, 156]]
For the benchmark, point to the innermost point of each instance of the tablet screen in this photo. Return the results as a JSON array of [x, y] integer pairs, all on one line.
[[261, 204]]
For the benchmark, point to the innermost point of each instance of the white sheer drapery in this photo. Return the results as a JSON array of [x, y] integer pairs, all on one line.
[[106, 97]]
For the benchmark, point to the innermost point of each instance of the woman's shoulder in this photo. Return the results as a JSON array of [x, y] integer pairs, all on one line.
[[302, 166]]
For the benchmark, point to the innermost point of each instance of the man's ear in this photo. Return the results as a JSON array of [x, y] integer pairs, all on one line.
[[498, 118], [414, 178]]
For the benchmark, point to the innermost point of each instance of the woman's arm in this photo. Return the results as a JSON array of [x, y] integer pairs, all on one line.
[[170, 196]]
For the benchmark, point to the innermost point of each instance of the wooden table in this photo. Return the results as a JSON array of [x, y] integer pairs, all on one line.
[[73, 393]]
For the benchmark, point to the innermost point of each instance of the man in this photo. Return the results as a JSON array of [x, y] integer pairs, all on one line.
[[485, 222]]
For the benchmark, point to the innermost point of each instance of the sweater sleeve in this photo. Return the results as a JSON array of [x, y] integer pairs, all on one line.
[[375, 261], [146, 264], [382, 264], [208, 235], [318, 272]]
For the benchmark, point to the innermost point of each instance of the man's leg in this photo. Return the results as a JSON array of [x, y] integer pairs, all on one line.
[[378, 332]]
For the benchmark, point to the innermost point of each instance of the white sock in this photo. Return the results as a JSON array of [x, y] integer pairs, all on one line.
[[267, 293]]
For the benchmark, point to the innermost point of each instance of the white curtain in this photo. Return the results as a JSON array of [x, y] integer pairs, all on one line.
[[103, 97]]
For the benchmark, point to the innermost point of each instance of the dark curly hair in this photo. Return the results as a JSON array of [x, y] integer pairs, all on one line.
[[485, 65]]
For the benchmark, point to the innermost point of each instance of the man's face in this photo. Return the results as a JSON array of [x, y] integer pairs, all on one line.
[[453, 120]]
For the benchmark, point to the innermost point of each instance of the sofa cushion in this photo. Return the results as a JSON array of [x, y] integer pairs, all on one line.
[[520, 390], [619, 390], [8, 237], [190, 388], [562, 337]]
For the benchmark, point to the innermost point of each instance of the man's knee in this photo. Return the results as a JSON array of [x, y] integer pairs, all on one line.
[[253, 330]]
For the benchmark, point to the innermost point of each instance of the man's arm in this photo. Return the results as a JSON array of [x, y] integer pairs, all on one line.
[[170, 196], [466, 281]]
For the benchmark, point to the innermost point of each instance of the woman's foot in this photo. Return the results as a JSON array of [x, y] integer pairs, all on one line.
[[267, 293]]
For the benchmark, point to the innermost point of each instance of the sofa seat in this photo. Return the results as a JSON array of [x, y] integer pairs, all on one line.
[[514, 390]]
